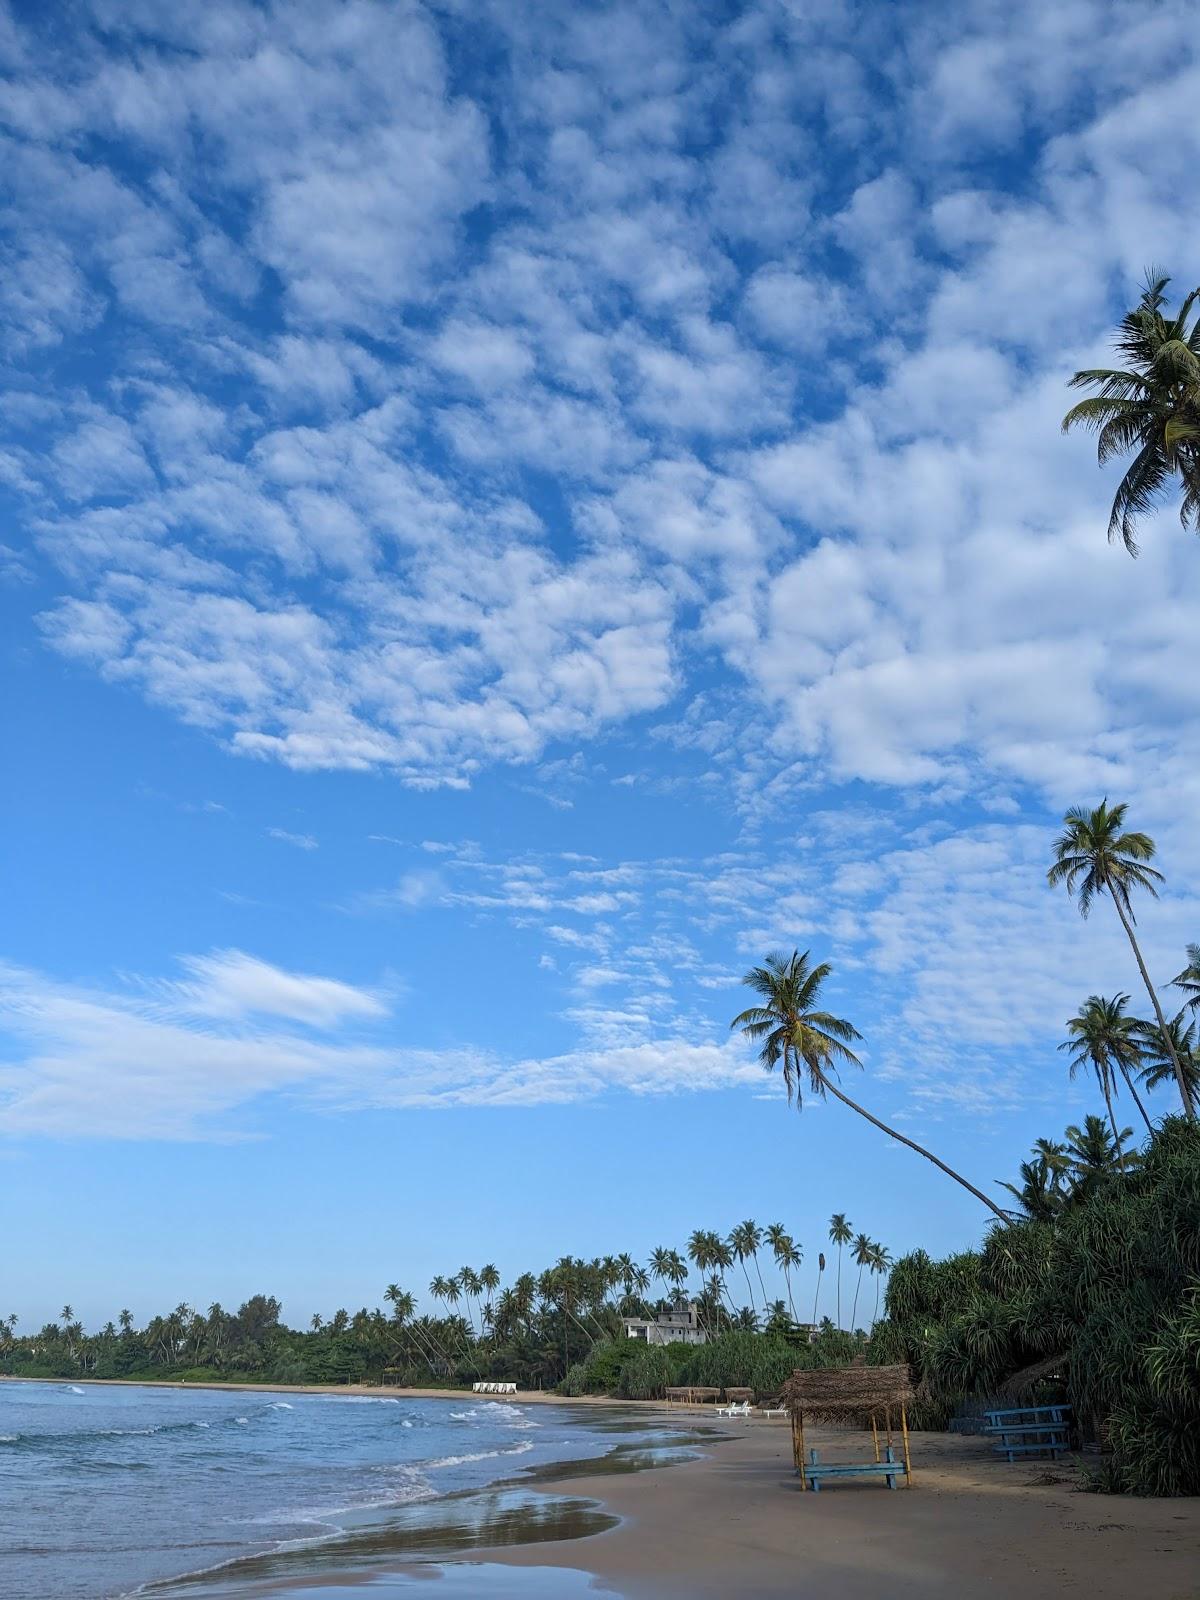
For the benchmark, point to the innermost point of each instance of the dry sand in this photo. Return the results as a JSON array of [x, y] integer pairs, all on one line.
[[735, 1524]]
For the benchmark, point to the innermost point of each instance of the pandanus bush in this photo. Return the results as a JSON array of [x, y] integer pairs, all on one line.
[[1111, 1287]]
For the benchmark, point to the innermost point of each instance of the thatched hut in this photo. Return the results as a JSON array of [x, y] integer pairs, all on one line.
[[859, 1396]]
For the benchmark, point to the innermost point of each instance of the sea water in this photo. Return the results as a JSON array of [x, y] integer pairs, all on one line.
[[106, 1489]]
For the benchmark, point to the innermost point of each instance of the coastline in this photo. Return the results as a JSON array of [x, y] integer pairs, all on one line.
[[524, 1397], [734, 1522]]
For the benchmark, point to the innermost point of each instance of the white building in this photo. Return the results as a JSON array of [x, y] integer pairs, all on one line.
[[679, 1325]]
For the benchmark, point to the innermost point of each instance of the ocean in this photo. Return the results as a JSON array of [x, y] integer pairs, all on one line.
[[106, 1490]]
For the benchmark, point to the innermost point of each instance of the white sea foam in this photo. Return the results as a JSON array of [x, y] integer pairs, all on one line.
[[279, 1405], [360, 1399], [9, 1438], [481, 1455], [71, 1389], [241, 1419]]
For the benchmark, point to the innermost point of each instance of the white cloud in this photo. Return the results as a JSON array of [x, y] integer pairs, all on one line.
[[302, 841], [191, 1063]]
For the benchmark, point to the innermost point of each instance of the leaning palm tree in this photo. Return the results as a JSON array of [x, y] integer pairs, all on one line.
[[820, 1275], [840, 1234], [1105, 1039], [812, 1043], [1151, 406], [863, 1250], [1189, 979], [1094, 855]]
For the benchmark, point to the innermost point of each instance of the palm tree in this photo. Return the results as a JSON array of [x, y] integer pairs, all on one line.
[[840, 1234], [1189, 979], [1103, 1037], [1042, 1192], [744, 1241], [879, 1263], [862, 1257], [1094, 853], [820, 1275], [489, 1282], [814, 1042], [783, 1247], [660, 1264], [1159, 1064], [1152, 407], [1092, 1154]]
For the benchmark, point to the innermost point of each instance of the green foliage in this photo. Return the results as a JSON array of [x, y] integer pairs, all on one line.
[[652, 1371], [1112, 1285]]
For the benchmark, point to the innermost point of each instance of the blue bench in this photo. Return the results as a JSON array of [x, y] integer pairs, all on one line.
[[1029, 1430], [889, 1469]]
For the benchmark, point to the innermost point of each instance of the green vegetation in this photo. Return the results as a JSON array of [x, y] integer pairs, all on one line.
[[1094, 1293], [560, 1327]]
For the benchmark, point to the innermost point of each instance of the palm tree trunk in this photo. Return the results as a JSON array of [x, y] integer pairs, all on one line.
[[839, 1287], [912, 1145], [1188, 1107], [1125, 1073], [854, 1308], [875, 1313], [749, 1286], [817, 1295], [1111, 1116], [787, 1278], [761, 1284]]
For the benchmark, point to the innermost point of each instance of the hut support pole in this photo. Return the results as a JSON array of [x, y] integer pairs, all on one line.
[[875, 1436], [907, 1462]]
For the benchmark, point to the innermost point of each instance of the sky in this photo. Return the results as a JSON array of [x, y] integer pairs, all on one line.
[[509, 513]]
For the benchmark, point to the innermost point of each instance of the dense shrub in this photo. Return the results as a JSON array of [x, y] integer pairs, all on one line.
[[1112, 1286]]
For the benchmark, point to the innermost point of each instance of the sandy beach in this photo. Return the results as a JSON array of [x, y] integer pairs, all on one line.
[[734, 1523]]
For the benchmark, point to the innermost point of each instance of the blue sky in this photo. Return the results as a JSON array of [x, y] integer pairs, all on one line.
[[509, 513]]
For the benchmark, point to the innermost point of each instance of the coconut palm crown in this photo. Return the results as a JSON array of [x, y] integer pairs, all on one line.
[[1096, 854], [811, 1044], [1151, 407]]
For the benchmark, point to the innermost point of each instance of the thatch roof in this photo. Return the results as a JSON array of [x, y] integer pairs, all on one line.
[[847, 1394], [1023, 1383]]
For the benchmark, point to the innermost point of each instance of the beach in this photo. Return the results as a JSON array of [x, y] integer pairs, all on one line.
[[734, 1523]]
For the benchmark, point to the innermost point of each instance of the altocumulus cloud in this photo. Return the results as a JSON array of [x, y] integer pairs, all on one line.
[[781, 305]]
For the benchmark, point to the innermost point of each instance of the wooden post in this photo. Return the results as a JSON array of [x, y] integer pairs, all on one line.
[[907, 1462], [875, 1437]]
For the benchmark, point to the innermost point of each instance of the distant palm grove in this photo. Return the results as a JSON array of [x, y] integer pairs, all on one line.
[[1087, 1285]]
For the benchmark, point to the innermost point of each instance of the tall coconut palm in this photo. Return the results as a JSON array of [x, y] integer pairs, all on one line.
[[744, 1241], [1103, 1038], [879, 1263], [820, 1275], [787, 1256], [1151, 406], [1189, 979], [812, 1043], [1094, 855], [660, 1264], [863, 1249], [840, 1234]]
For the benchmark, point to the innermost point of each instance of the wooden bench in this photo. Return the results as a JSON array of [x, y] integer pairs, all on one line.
[[889, 1469], [1029, 1431]]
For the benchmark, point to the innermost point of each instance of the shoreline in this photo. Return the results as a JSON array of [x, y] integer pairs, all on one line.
[[734, 1522], [521, 1397]]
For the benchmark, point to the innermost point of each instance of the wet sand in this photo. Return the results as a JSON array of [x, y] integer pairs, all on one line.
[[733, 1523]]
